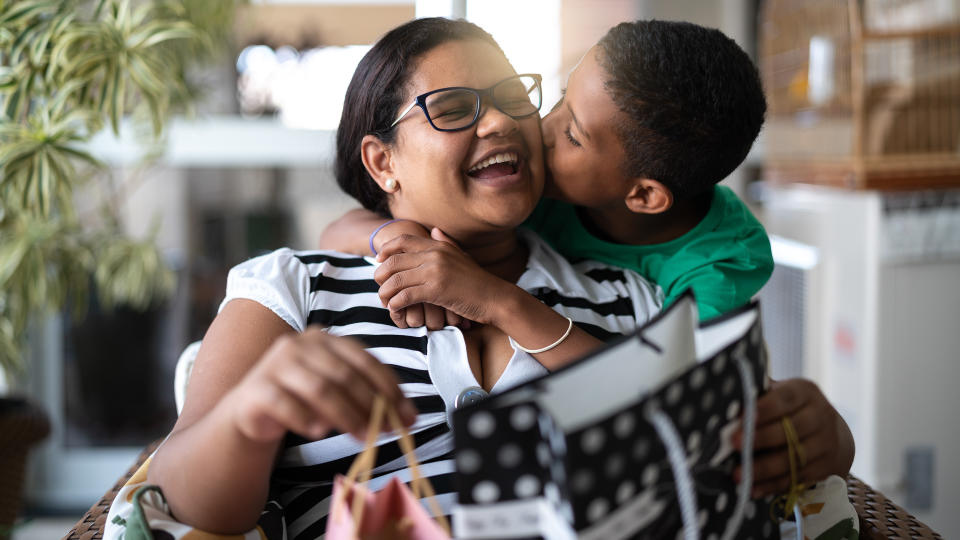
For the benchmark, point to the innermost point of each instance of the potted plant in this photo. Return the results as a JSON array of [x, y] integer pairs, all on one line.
[[69, 69]]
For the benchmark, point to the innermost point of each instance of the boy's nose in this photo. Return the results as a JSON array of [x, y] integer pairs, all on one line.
[[547, 125]]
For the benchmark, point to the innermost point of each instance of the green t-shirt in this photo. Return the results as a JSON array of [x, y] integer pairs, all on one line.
[[725, 259]]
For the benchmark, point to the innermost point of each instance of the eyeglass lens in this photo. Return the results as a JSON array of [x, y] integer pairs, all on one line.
[[457, 108]]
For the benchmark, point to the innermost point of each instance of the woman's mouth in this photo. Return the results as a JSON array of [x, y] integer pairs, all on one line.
[[496, 166]]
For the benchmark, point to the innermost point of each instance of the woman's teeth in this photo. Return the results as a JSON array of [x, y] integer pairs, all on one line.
[[506, 157]]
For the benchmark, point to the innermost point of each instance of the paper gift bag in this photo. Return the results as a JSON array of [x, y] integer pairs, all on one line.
[[392, 513], [633, 441]]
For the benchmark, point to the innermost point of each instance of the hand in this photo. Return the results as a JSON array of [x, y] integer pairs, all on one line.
[[416, 315], [309, 384], [436, 271], [825, 439]]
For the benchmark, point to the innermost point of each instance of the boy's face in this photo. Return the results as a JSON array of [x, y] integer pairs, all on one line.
[[583, 151]]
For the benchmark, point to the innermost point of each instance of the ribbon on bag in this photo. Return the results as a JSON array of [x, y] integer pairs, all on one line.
[[394, 512]]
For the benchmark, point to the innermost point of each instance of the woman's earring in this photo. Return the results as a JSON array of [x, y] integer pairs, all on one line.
[[391, 184]]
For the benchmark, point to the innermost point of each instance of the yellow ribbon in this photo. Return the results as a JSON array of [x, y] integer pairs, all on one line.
[[795, 452]]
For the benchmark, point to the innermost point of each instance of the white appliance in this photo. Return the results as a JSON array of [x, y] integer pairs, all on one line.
[[865, 300]]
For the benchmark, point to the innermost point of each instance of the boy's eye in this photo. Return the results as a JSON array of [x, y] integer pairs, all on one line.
[[570, 137]]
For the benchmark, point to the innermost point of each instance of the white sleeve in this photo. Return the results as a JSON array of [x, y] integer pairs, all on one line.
[[278, 281], [647, 297]]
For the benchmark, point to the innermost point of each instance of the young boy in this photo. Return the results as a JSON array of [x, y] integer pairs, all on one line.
[[653, 117]]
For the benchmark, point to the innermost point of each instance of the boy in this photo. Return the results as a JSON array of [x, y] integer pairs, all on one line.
[[653, 117]]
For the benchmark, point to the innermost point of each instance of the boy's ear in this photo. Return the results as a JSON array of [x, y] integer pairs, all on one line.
[[648, 196], [376, 157]]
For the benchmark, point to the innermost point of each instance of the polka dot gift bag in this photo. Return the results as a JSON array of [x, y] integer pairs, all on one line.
[[633, 441]]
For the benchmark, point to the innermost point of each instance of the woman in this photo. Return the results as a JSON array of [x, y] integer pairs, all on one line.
[[436, 130]]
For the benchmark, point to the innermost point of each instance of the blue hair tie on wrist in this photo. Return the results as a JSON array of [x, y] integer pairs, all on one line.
[[375, 231]]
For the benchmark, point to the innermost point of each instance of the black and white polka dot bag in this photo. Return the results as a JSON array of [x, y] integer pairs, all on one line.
[[631, 442]]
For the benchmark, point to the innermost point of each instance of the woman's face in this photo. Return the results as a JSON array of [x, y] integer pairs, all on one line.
[[583, 150], [440, 174]]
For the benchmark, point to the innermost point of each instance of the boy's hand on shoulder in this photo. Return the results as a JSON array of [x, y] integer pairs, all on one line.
[[826, 444]]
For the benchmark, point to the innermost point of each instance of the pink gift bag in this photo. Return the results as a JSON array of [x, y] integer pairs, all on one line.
[[394, 512]]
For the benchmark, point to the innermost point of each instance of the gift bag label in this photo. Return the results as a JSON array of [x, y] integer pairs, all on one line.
[[583, 453]]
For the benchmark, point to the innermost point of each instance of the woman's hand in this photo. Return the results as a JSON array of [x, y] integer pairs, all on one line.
[[311, 383], [826, 441], [435, 271]]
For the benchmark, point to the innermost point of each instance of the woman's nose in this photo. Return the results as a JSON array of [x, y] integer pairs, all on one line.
[[493, 121]]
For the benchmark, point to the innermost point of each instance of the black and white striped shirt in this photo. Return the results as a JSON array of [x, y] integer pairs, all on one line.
[[338, 291]]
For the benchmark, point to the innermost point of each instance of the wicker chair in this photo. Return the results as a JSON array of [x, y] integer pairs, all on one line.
[[22, 425], [880, 518]]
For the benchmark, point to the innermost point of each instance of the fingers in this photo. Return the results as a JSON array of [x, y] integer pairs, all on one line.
[[434, 316], [335, 394], [453, 319], [397, 292], [381, 376], [440, 236], [395, 264], [312, 383], [805, 421], [405, 243], [784, 398], [415, 315], [814, 472]]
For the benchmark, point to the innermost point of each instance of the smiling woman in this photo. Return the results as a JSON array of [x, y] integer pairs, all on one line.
[[305, 341]]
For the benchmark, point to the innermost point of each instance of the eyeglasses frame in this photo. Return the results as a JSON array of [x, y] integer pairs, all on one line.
[[421, 101]]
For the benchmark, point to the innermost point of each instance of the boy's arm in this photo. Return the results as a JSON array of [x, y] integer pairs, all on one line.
[[351, 232]]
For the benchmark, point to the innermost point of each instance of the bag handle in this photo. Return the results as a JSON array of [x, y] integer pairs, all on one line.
[[362, 468], [676, 456]]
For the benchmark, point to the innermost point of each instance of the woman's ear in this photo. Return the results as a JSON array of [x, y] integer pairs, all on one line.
[[376, 156], [648, 196]]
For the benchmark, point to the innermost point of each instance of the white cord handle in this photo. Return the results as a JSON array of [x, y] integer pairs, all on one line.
[[681, 473], [746, 452]]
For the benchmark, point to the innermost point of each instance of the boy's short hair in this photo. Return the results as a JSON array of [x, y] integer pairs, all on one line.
[[692, 100]]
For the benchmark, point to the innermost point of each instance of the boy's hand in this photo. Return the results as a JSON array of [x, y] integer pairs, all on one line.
[[309, 384], [417, 315], [435, 271], [826, 442]]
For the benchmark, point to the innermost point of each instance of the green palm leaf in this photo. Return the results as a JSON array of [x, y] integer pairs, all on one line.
[[68, 68]]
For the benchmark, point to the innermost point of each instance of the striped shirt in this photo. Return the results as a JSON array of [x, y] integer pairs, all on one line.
[[338, 291]]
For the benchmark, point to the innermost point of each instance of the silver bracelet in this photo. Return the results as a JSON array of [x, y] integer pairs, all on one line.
[[552, 345]]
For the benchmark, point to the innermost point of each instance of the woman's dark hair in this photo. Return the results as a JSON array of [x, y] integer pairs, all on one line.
[[374, 97], [692, 100]]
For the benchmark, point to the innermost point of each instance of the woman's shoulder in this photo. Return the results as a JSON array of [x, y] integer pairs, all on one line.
[[588, 279], [590, 276], [291, 261]]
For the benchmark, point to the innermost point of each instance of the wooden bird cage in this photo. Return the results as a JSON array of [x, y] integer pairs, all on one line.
[[862, 94]]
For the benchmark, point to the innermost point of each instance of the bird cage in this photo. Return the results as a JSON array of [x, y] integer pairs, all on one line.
[[862, 94]]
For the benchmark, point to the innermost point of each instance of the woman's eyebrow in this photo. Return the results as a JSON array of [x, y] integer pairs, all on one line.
[[575, 121]]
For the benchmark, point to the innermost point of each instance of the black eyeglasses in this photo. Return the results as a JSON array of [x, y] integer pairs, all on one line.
[[457, 107]]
